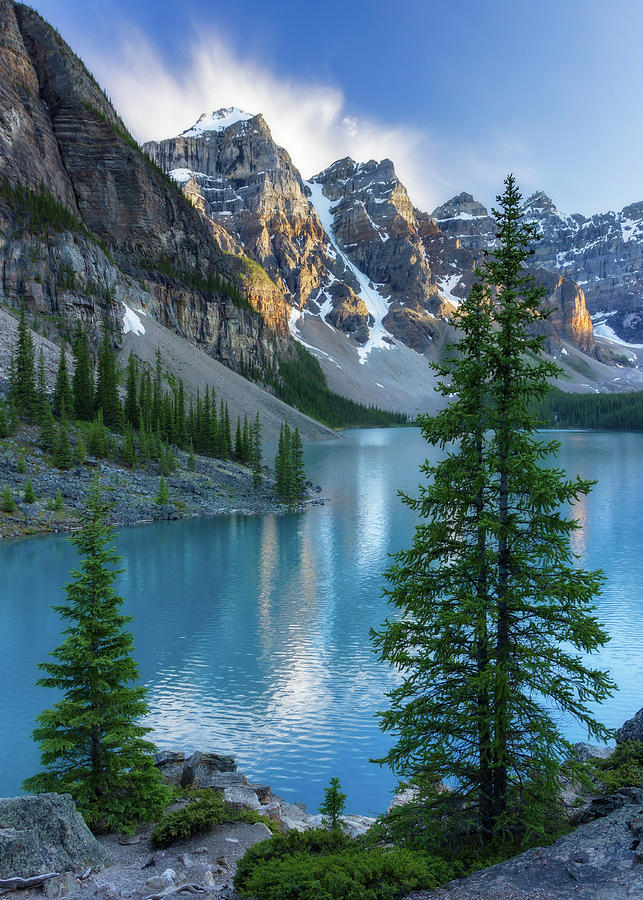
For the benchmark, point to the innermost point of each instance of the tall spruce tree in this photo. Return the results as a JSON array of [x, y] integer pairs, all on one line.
[[92, 743], [107, 398], [494, 616], [83, 378], [131, 410], [22, 376], [63, 399], [257, 456]]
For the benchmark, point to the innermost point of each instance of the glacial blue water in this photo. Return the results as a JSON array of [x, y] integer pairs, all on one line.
[[252, 632]]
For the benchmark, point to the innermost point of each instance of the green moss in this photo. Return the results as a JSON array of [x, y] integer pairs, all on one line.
[[204, 811]]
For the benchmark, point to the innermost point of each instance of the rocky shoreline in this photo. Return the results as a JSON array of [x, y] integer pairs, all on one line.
[[215, 488], [45, 833], [44, 839]]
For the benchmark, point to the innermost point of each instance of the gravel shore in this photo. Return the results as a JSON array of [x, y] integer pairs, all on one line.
[[215, 488]]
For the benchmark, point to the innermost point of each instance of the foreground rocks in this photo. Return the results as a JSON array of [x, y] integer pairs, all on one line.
[[211, 770], [602, 860], [45, 833], [632, 730]]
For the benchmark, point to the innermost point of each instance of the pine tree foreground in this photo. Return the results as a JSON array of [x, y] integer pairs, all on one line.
[[92, 745], [495, 619]]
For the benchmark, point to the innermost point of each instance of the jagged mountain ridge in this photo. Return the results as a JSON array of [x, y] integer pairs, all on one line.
[[603, 254], [348, 246]]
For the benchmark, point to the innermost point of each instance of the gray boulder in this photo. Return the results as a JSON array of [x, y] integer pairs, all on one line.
[[201, 770], [584, 751], [632, 730], [45, 833]]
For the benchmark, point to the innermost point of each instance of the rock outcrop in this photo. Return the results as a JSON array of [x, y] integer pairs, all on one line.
[[600, 860], [632, 730], [219, 772], [45, 833]]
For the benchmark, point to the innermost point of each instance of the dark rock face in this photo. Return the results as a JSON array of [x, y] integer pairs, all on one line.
[[58, 129], [632, 730], [45, 833], [200, 770]]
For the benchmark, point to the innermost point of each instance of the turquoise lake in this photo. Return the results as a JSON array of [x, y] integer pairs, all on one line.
[[252, 632]]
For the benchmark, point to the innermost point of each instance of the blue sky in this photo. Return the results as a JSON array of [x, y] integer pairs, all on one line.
[[456, 93]]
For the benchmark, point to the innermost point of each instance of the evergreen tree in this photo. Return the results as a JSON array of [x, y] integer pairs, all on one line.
[[131, 398], [163, 496], [29, 494], [21, 466], [42, 398], [297, 471], [107, 398], [238, 442], [333, 806], [282, 465], [4, 424], [257, 458], [493, 612], [63, 458], [22, 381], [8, 503], [83, 377], [58, 504], [80, 451], [97, 437], [63, 399], [129, 450], [92, 743], [48, 430]]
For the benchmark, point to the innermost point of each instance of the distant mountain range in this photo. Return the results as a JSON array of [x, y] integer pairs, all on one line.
[[343, 263], [350, 249]]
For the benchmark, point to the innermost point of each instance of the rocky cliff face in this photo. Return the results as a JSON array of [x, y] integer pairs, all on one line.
[[604, 254], [131, 230], [231, 169], [347, 247], [465, 230]]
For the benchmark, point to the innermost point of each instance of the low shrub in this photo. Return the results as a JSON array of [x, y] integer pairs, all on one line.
[[622, 768], [327, 865], [203, 813]]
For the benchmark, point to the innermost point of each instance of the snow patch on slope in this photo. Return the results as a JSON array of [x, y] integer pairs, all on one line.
[[376, 304], [131, 322], [446, 285], [605, 331]]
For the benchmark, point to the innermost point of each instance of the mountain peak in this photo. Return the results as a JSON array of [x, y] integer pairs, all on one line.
[[218, 120], [540, 200], [463, 206]]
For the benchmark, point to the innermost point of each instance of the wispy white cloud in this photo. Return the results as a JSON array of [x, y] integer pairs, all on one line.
[[158, 99]]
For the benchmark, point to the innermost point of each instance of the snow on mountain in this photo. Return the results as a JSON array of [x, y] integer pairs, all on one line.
[[376, 304], [218, 120]]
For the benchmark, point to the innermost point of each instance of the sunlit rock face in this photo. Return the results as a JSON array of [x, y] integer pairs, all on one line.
[[348, 246], [603, 253], [58, 129], [233, 171]]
